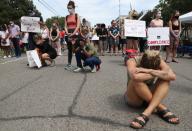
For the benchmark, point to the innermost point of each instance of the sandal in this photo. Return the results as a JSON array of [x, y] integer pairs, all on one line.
[[168, 118], [140, 122]]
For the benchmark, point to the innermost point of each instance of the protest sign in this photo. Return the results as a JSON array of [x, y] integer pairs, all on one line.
[[33, 59], [158, 36], [134, 28], [30, 24], [95, 37]]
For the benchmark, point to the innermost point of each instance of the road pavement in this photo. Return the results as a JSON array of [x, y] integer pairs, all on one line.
[[54, 99]]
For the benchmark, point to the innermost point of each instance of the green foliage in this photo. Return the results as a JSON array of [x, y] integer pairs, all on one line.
[[59, 20], [14, 9], [167, 7]]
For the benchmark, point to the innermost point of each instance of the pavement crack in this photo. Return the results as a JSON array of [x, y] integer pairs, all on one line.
[[19, 89], [70, 111]]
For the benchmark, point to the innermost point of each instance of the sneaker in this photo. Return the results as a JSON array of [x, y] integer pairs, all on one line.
[[52, 63], [78, 69], [9, 56], [86, 68], [5, 57], [67, 67], [94, 70]]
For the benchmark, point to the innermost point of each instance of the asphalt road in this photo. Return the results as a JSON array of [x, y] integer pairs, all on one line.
[[54, 99]]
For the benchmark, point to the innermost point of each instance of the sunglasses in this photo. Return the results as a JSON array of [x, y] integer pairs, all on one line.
[[69, 8]]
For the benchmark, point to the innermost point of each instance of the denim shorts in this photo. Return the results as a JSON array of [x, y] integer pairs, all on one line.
[[114, 42]]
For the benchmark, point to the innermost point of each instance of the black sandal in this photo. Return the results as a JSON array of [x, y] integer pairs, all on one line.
[[140, 122], [167, 118]]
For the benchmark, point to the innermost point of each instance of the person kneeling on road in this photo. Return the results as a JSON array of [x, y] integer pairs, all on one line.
[[148, 83], [45, 51], [88, 53]]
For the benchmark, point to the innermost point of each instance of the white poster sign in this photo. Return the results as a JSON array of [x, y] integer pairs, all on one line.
[[95, 37], [134, 28], [158, 36], [33, 59], [30, 24]]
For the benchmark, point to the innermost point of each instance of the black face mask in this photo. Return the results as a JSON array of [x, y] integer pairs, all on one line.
[[177, 17]]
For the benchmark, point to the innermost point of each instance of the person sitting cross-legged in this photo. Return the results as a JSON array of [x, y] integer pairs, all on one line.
[[149, 78]]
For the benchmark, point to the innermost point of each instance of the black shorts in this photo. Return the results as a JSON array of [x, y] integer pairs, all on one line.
[[132, 38]]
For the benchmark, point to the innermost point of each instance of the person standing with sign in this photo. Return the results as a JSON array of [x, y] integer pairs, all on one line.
[[72, 26], [132, 42], [157, 22], [175, 30]]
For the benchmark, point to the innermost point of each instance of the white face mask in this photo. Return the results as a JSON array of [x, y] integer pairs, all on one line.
[[71, 11]]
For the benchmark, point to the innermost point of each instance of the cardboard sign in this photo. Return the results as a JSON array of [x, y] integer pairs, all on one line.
[[33, 59], [30, 24], [95, 37], [158, 36], [134, 28]]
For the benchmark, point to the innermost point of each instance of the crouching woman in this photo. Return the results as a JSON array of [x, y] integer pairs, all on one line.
[[45, 51], [148, 82]]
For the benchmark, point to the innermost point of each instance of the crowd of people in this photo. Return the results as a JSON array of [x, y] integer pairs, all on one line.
[[148, 74]]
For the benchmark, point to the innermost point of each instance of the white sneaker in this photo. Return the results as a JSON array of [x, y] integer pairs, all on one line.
[[9, 56], [5, 57], [94, 70], [78, 69]]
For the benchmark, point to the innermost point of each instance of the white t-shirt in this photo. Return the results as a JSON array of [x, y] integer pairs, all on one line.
[[45, 34], [25, 38], [3, 36]]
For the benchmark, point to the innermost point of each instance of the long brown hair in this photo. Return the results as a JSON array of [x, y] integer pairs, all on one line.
[[173, 15], [71, 3], [151, 60]]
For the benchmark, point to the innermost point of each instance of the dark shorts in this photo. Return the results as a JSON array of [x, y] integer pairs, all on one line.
[[132, 38], [114, 42]]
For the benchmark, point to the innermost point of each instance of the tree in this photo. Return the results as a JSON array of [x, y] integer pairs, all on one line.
[[59, 20], [14, 9], [167, 7]]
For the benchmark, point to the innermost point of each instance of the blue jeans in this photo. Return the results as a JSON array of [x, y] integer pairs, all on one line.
[[92, 61], [88, 61], [79, 56]]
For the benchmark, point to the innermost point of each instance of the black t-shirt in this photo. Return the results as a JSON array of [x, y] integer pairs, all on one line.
[[45, 47], [101, 32], [114, 30]]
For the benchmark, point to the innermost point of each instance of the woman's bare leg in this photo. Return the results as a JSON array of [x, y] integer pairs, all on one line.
[[159, 94], [133, 99]]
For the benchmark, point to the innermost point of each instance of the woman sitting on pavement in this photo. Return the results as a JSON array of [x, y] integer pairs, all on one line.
[[45, 51], [148, 82]]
